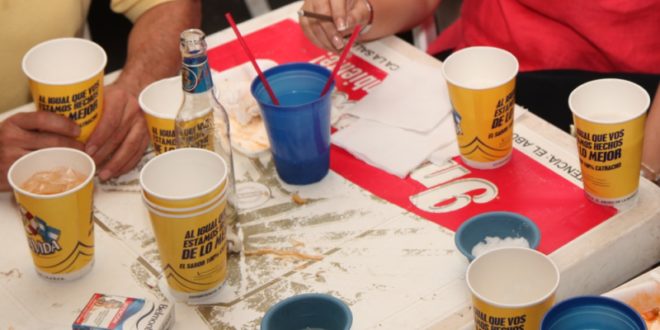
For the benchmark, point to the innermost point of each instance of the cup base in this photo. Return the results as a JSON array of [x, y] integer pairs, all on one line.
[[621, 202], [300, 173], [68, 276], [487, 165], [192, 296]]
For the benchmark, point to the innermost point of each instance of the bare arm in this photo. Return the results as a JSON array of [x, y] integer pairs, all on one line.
[[651, 151], [389, 17], [153, 44], [121, 137]]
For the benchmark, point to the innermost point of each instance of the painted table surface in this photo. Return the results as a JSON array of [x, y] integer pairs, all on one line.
[[395, 269]]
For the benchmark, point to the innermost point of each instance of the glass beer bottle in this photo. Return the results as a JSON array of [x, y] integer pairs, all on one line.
[[201, 121]]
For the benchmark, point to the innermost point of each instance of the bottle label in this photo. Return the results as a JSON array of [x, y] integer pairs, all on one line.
[[196, 75], [196, 133]]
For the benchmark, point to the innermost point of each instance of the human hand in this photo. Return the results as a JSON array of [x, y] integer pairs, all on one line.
[[120, 138], [29, 131], [345, 14]]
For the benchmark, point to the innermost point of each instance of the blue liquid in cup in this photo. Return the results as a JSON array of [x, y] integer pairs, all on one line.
[[299, 127], [297, 97]]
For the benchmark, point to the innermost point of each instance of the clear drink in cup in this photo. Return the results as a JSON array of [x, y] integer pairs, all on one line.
[[59, 227], [55, 181]]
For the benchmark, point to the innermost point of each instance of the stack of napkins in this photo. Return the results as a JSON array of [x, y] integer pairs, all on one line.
[[401, 122]]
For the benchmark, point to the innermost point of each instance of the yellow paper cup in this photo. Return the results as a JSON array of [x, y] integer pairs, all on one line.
[[183, 178], [66, 77], [193, 250], [59, 227], [160, 102], [185, 210], [609, 117], [512, 288], [481, 83]]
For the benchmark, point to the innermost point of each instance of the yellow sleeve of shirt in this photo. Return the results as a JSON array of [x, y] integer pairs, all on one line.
[[132, 9]]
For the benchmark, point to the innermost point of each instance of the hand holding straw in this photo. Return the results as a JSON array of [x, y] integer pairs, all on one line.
[[230, 19], [342, 57]]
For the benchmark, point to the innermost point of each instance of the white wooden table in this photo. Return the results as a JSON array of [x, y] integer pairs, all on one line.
[[395, 269]]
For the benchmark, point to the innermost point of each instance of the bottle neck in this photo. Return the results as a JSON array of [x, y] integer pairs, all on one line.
[[196, 74]]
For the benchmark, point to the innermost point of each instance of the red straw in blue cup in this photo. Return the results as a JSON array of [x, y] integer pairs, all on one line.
[[249, 54], [342, 57]]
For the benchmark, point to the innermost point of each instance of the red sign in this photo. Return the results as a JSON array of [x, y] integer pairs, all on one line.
[[557, 206]]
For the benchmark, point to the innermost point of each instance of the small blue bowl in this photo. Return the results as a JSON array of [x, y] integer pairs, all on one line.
[[310, 310], [592, 312], [495, 224]]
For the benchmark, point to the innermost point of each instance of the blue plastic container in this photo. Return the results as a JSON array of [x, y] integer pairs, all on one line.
[[495, 224], [310, 310], [299, 127], [592, 312]]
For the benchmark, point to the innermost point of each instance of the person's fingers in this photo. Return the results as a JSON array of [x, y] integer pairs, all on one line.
[[20, 134], [111, 120], [356, 14], [323, 38], [315, 33], [310, 33], [338, 8], [111, 144], [139, 153], [128, 112], [333, 35], [15, 136], [31, 140], [46, 122], [125, 153], [330, 30]]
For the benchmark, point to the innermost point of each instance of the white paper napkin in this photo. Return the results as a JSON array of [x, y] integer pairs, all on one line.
[[415, 97], [392, 149], [399, 151]]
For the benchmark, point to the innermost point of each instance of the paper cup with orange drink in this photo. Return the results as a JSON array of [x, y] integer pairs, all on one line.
[[481, 83], [53, 188], [609, 117], [185, 194], [66, 77], [512, 288]]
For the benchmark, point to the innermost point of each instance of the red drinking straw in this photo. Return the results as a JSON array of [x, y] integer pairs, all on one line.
[[342, 57], [230, 19]]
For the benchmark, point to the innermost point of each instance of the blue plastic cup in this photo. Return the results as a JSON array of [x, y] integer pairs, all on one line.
[[308, 311], [299, 127], [592, 312]]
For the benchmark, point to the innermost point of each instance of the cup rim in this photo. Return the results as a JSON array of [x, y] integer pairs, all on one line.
[[642, 110], [280, 67], [37, 47], [205, 205], [17, 187], [172, 153], [504, 52], [595, 300], [277, 307], [147, 109], [461, 230], [512, 306], [187, 215]]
